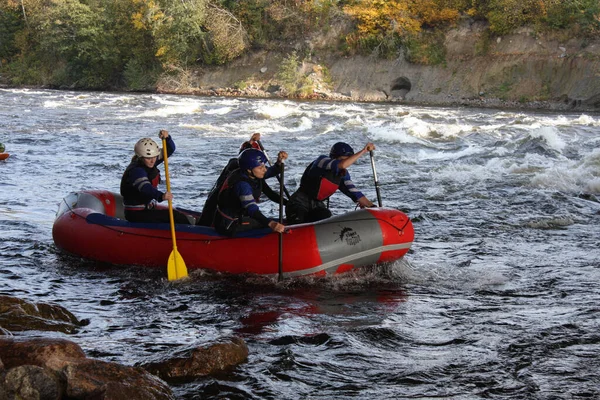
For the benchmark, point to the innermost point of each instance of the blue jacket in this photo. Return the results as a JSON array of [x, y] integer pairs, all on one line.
[[323, 177], [240, 194], [139, 183]]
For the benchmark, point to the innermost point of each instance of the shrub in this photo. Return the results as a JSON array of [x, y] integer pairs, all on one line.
[[289, 74]]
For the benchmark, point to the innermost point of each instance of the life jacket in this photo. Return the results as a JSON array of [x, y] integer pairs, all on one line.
[[132, 196], [322, 186], [229, 202]]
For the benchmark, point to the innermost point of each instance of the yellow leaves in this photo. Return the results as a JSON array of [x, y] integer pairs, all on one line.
[[403, 17], [161, 51], [138, 21], [147, 14], [377, 17]]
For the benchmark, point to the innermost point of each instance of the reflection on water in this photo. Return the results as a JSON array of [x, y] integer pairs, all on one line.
[[497, 298]]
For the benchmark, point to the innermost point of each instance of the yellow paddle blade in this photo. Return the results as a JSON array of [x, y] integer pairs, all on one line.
[[176, 268]]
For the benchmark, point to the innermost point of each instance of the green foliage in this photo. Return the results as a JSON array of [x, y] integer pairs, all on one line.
[[176, 28], [77, 34], [426, 49], [253, 15], [10, 24], [565, 13], [289, 74], [26, 70], [505, 16], [140, 44], [226, 39], [268, 21], [138, 77]]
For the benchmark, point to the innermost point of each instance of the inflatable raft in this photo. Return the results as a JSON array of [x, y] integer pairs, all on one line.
[[90, 224], [4, 156]]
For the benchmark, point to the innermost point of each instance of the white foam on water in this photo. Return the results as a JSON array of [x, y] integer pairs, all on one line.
[[25, 91], [218, 111], [466, 173], [207, 129], [586, 120], [276, 110], [346, 111], [550, 135], [177, 109], [418, 128], [424, 155], [572, 176]]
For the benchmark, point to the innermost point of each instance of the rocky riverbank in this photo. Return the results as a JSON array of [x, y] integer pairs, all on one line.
[[35, 366], [525, 70]]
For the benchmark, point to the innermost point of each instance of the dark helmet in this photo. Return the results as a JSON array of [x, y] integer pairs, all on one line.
[[340, 149], [249, 145], [251, 158], [244, 146]]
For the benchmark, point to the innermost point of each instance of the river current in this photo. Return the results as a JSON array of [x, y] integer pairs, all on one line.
[[499, 297]]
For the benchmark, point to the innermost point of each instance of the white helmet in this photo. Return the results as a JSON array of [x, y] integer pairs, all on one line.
[[146, 147]]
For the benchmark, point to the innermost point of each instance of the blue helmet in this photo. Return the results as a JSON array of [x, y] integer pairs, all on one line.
[[251, 158], [340, 149]]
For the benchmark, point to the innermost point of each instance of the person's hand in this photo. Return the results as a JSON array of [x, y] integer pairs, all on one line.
[[277, 227], [168, 196], [163, 134], [369, 147], [255, 137], [363, 202], [282, 156]]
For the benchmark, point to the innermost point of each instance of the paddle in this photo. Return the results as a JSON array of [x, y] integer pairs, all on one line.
[[280, 276], [375, 178], [176, 268], [279, 178]]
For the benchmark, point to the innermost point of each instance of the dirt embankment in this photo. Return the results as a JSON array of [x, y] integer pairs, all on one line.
[[522, 70]]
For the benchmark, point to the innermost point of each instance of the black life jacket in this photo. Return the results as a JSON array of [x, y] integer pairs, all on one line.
[[322, 186], [130, 194], [229, 202]]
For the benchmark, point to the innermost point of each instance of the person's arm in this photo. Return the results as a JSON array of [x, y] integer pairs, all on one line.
[[349, 189], [141, 182], [275, 169], [170, 145], [244, 192], [344, 164], [271, 194]]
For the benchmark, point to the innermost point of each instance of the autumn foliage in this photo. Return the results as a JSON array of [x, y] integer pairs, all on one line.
[[134, 43]]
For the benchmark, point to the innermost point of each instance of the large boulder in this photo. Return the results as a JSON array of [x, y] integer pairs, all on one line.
[[43, 368], [105, 380], [20, 315], [194, 362], [54, 354], [33, 382]]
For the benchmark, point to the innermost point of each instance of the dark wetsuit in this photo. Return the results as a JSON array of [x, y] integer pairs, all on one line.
[[210, 206], [140, 194], [320, 180], [237, 208]]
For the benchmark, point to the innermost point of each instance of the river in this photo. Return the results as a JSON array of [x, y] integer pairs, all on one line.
[[497, 299]]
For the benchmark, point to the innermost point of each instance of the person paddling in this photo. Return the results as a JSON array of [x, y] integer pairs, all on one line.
[[321, 179], [210, 205], [237, 208], [140, 182]]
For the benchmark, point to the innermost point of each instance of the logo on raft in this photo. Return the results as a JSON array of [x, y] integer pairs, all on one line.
[[348, 235]]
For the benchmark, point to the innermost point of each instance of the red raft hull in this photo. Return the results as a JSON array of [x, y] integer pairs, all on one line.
[[87, 225]]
